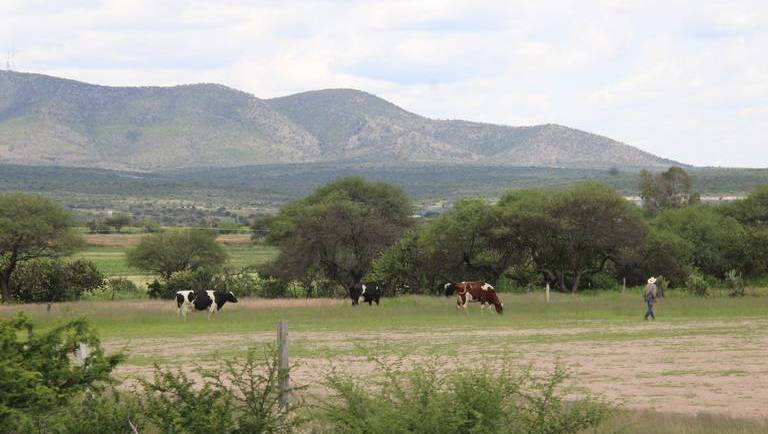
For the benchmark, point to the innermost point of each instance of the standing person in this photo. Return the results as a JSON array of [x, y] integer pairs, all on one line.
[[650, 297]]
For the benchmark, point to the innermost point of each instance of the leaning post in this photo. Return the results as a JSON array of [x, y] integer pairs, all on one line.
[[547, 293], [283, 368]]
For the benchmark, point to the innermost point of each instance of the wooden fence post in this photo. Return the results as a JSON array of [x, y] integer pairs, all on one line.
[[547, 293], [623, 284], [283, 367]]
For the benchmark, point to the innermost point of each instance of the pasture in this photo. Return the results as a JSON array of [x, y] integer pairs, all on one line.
[[108, 253], [700, 355]]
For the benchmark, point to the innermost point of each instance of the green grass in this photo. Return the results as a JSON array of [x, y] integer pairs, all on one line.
[[111, 260], [413, 313]]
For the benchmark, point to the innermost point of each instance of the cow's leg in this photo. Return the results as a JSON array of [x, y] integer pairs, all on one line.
[[211, 310]]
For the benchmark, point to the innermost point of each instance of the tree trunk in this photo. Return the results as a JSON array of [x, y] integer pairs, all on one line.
[[5, 277], [576, 281], [5, 284], [6, 289]]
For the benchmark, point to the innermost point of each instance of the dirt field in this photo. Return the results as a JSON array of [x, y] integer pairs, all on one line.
[[130, 240], [701, 355], [710, 366]]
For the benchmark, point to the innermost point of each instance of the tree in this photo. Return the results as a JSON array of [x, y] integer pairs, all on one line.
[[118, 220], [168, 252], [338, 230], [752, 210], [719, 242], [573, 233], [31, 227], [666, 190], [752, 213]]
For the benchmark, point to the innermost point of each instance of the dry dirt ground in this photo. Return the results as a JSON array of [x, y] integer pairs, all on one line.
[[130, 240], [695, 367]]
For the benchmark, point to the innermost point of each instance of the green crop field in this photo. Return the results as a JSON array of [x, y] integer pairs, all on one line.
[[702, 356], [111, 259]]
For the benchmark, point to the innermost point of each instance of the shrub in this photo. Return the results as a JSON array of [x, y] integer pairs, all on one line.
[[82, 276], [48, 280], [92, 413], [697, 284], [603, 281], [244, 282], [274, 288], [424, 401], [239, 397], [37, 374], [734, 283], [150, 226]]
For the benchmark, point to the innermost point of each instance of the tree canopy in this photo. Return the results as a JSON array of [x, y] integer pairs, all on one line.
[[168, 252], [32, 227], [338, 230], [666, 190]]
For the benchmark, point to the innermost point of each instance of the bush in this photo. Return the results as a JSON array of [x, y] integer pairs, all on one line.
[[734, 283], [38, 376], [603, 281], [236, 398], [92, 413], [424, 401], [697, 284], [50, 280], [82, 276]]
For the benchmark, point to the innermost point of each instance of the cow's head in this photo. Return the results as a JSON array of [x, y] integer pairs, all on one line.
[[449, 288], [230, 297]]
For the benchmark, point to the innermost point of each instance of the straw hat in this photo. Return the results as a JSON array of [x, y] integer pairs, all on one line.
[[652, 280]]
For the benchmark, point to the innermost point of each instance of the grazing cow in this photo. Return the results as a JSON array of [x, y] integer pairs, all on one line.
[[363, 293], [475, 292], [213, 301]]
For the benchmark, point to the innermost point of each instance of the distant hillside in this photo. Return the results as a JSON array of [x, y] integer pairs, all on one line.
[[52, 121]]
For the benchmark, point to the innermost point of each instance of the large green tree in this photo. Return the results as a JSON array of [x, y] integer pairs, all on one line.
[[168, 252], [31, 227], [752, 212], [718, 242], [338, 230], [574, 233]]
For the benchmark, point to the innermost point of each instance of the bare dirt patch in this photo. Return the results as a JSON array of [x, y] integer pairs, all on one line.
[[112, 240], [699, 366]]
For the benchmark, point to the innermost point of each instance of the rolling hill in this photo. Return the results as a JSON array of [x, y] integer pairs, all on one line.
[[52, 121]]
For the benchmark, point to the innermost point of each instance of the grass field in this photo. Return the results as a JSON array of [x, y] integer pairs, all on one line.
[[108, 253], [701, 355]]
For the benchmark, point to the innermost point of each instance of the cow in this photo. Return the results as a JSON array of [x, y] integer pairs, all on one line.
[[475, 292], [212, 301], [366, 293]]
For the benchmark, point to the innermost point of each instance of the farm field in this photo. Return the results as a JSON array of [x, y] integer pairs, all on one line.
[[108, 253], [700, 356]]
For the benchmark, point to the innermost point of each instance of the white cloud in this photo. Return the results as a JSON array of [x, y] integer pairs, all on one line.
[[684, 79]]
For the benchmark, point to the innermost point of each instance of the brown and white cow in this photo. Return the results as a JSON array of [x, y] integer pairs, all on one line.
[[475, 292]]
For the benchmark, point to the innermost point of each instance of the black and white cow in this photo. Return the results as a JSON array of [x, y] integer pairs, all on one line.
[[366, 293], [212, 301]]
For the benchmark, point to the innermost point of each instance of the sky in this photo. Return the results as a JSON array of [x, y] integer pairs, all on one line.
[[686, 80]]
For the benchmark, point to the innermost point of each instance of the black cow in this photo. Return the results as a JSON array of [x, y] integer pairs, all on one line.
[[366, 293], [212, 301]]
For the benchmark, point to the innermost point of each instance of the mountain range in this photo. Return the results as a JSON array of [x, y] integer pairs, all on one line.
[[47, 120]]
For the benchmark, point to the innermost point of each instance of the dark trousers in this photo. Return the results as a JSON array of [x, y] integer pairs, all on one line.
[[649, 312]]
